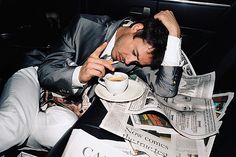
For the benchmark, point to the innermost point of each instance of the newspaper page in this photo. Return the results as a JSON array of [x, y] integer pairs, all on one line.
[[116, 118], [149, 143], [83, 144], [185, 103], [189, 70], [200, 86], [164, 145], [194, 124], [186, 147]]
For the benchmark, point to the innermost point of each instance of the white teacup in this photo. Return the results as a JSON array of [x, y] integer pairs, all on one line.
[[115, 83]]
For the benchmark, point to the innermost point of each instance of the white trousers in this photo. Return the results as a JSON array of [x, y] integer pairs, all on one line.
[[20, 117]]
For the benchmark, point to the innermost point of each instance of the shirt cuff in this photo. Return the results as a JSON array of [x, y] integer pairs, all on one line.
[[75, 81], [172, 55]]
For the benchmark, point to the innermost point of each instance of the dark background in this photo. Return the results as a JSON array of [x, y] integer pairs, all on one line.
[[208, 38]]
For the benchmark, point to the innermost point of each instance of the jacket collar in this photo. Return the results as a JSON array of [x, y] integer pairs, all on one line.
[[113, 27]]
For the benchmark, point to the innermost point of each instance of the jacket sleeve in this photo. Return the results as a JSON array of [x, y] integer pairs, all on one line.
[[79, 40], [55, 73], [163, 81]]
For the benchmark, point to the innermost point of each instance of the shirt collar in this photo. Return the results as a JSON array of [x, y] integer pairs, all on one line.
[[110, 46]]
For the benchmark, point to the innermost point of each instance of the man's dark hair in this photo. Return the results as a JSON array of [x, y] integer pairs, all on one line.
[[155, 34]]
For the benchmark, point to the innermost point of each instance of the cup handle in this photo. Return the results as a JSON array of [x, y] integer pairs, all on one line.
[[101, 81]]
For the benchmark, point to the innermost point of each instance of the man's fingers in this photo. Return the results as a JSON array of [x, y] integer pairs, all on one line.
[[99, 50], [94, 66], [106, 64], [168, 19], [101, 62], [90, 70], [164, 16], [95, 71], [94, 57]]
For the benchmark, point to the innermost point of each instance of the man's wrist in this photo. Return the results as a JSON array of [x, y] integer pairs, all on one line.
[[175, 33], [75, 81]]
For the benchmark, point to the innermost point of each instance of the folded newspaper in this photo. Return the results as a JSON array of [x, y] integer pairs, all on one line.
[[82, 144]]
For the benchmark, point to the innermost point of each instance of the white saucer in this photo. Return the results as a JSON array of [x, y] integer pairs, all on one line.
[[133, 91]]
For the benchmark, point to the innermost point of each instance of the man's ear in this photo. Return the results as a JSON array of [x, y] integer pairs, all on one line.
[[136, 27]]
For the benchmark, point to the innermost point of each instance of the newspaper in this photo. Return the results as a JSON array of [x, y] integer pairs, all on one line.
[[194, 124], [149, 143], [200, 86], [197, 123], [182, 126], [185, 103], [224, 99], [81, 144], [116, 118], [186, 147], [177, 145], [162, 145]]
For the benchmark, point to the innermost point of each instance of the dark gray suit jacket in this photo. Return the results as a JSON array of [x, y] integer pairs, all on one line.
[[80, 39]]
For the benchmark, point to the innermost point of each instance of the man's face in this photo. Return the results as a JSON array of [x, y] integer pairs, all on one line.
[[132, 50]]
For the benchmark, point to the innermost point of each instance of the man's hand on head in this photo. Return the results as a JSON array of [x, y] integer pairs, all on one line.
[[94, 66], [168, 19]]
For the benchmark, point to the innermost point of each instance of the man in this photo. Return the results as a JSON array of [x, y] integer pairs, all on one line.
[[138, 46], [150, 49]]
